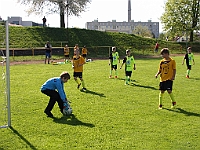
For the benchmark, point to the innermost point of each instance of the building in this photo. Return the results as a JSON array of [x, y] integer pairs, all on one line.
[[18, 21], [125, 27]]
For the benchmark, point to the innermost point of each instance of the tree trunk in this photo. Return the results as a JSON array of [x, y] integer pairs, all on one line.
[[62, 20]]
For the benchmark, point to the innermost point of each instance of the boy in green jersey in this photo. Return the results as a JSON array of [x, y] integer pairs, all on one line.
[[189, 58], [114, 58], [129, 66]]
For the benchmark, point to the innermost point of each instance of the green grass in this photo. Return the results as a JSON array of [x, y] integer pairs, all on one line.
[[109, 115]]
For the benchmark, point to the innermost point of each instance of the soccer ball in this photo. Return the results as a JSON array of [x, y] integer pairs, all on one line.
[[67, 111]]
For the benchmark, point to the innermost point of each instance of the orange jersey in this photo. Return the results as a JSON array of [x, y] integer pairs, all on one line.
[[78, 61], [166, 67], [66, 50], [84, 50]]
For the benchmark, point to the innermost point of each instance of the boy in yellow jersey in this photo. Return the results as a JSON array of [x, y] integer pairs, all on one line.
[[167, 72], [84, 52], [75, 47], [78, 62], [189, 58], [129, 66], [66, 53], [114, 58]]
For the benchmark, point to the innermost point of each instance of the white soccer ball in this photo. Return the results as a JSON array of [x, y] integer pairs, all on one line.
[[67, 111]]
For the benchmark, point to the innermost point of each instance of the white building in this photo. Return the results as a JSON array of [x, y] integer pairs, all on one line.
[[18, 21], [125, 27]]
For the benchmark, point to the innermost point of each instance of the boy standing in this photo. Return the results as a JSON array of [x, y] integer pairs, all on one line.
[[189, 58], [48, 52], [84, 52], [78, 62], [53, 88], [129, 66], [66, 53], [167, 71], [114, 58]]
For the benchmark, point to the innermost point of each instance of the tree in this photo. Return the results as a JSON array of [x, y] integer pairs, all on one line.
[[181, 16], [69, 7], [142, 31]]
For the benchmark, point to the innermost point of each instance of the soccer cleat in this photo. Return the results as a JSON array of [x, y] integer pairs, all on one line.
[[84, 89], [49, 114], [160, 107], [116, 77], [173, 105], [187, 76], [110, 76], [78, 85]]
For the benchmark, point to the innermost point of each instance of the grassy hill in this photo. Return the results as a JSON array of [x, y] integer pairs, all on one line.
[[28, 37]]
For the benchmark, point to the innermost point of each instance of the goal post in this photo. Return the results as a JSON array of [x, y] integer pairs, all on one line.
[[5, 111]]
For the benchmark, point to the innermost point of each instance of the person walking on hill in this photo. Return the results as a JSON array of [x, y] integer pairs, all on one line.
[[44, 20]]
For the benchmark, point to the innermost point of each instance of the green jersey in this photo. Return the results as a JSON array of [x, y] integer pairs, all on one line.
[[115, 58], [129, 63]]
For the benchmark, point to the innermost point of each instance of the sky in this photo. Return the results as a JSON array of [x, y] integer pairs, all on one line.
[[103, 10]]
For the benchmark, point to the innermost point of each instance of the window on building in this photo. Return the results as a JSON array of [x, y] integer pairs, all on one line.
[[114, 27]]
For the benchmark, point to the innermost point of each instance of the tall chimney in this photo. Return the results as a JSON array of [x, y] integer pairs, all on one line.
[[129, 10]]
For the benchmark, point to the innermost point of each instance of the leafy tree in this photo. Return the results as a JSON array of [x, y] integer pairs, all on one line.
[[181, 16], [142, 31], [69, 7]]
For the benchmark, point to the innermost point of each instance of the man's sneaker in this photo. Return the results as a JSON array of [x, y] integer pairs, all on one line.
[[187, 76], [78, 85], [173, 105], [84, 89], [110, 76], [160, 107], [49, 114], [116, 77]]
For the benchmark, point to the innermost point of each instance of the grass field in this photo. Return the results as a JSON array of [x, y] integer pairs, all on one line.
[[109, 115]]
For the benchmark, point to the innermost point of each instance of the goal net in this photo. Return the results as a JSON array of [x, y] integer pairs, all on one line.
[[5, 115]]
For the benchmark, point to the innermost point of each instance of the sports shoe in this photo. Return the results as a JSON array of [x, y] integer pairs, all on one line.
[[173, 105], [160, 107], [116, 77], [84, 89], [78, 85], [187, 76], [49, 114], [110, 76]]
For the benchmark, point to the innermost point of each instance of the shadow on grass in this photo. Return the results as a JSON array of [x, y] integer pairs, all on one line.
[[124, 80], [180, 110], [72, 120], [23, 138], [194, 79], [92, 92], [144, 86]]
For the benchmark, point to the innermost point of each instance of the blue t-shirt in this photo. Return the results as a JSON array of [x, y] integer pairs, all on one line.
[[55, 84]]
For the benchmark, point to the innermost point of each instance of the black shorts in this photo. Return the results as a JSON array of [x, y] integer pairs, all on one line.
[[78, 74], [114, 67], [189, 67], [166, 85], [84, 55], [66, 56], [128, 73]]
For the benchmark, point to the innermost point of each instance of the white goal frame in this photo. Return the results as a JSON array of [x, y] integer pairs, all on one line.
[[7, 76]]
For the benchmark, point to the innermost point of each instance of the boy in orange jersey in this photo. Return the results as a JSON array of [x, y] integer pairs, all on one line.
[[66, 53], [78, 62], [84, 52], [167, 71]]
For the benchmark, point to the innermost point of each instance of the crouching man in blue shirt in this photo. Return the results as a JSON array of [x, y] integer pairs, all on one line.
[[53, 88]]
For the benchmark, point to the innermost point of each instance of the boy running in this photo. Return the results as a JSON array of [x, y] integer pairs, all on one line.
[[66, 53], [114, 58], [129, 66], [189, 58], [84, 52], [167, 71], [78, 62]]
